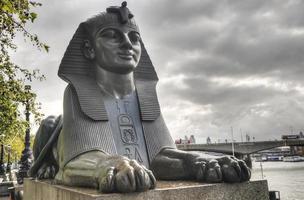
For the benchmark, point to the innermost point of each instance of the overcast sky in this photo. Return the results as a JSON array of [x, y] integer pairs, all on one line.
[[221, 64]]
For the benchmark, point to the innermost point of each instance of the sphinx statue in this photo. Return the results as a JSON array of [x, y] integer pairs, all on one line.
[[112, 135]]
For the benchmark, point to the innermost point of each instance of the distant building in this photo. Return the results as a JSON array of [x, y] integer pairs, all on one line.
[[192, 139], [292, 136], [247, 138], [295, 150], [283, 151], [208, 140], [186, 140]]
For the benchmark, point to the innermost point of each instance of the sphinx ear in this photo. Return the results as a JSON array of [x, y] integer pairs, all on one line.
[[88, 50]]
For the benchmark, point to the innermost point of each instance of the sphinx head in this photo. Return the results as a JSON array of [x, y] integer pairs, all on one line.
[[113, 41]]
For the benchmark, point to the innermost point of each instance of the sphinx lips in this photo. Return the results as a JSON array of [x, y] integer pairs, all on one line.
[[125, 55]]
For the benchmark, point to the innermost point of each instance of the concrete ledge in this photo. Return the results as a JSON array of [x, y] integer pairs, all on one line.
[[4, 188], [166, 190]]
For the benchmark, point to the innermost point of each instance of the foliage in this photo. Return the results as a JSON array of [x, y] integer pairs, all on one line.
[[15, 145], [14, 15]]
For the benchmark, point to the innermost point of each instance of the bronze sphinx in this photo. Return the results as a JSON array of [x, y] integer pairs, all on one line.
[[112, 135]]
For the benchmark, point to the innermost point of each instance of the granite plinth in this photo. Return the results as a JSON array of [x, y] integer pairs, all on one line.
[[4, 188], [166, 190]]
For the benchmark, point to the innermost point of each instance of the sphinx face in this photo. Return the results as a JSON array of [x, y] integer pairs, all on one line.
[[117, 49]]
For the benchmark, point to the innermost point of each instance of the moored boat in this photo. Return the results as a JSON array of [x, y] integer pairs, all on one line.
[[293, 159]]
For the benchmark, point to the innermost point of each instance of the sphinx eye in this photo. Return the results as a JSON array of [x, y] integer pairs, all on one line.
[[111, 34], [134, 37]]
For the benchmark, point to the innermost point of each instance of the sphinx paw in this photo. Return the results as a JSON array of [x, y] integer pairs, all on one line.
[[46, 172], [208, 171], [234, 170], [127, 176]]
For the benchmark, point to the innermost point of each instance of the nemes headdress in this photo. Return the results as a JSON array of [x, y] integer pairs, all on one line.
[[79, 71]]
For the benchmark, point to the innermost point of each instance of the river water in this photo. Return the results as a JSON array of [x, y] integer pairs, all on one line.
[[286, 177]]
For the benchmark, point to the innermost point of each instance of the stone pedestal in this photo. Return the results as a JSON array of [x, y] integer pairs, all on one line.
[[4, 192], [166, 190]]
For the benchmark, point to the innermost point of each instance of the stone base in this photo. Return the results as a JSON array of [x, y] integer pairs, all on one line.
[[4, 188], [166, 190]]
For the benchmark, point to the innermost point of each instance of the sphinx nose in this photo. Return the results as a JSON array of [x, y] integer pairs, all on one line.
[[126, 42]]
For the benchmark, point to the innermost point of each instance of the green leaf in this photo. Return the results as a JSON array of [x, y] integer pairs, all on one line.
[[46, 47], [33, 16], [7, 7]]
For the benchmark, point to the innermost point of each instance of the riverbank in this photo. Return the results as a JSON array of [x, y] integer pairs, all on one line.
[[286, 177]]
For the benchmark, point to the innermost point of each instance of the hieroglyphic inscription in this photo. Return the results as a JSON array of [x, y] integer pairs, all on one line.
[[127, 132]]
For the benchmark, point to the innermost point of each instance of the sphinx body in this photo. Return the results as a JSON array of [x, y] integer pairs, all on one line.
[[112, 135]]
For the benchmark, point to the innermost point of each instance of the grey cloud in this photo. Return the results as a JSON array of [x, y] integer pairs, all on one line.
[[167, 13], [249, 43], [270, 53], [201, 91]]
